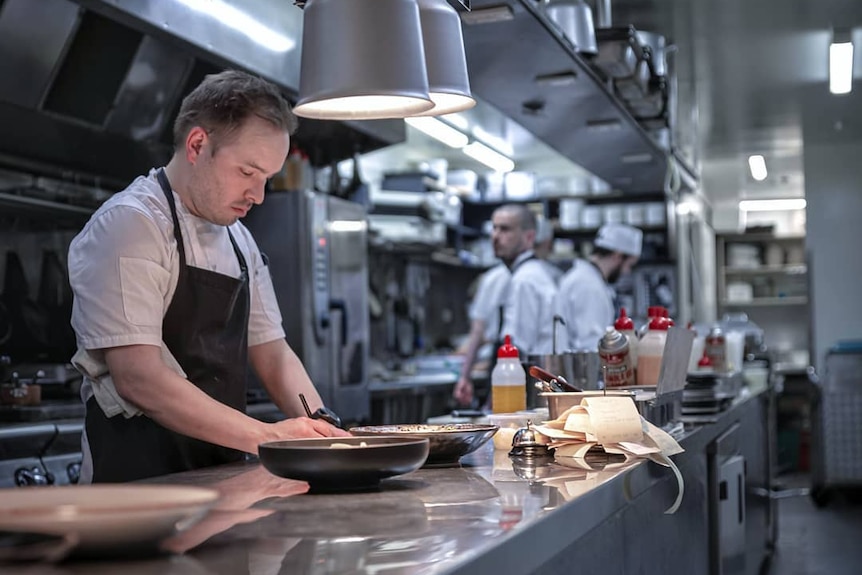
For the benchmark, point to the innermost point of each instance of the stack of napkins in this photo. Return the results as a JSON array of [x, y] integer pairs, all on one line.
[[613, 424]]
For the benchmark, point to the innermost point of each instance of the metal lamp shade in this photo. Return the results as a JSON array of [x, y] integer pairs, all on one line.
[[362, 60], [448, 83]]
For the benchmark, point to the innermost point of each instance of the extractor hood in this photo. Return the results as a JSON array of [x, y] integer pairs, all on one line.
[[91, 88], [520, 62]]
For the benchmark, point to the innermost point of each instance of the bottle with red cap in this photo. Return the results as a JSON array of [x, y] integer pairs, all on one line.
[[651, 351], [508, 380], [626, 326]]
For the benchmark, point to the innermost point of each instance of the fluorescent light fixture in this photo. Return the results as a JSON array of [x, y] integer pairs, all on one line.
[[439, 131], [457, 120], [491, 158], [840, 67], [757, 165], [243, 23], [348, 225], [491, 140], [772, 205], [642, 158]]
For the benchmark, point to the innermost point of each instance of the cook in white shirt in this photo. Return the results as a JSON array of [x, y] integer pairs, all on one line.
[[521, 291], [586, 300], [173, 298]]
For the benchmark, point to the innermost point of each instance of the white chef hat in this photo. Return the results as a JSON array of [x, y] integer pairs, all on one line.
[[620, 238]]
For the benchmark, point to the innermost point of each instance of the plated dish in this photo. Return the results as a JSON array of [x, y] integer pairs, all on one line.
[[343, 463], [448, 442], [105, 517]]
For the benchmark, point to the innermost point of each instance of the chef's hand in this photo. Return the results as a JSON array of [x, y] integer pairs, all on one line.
[[303, 428], [463, 392]]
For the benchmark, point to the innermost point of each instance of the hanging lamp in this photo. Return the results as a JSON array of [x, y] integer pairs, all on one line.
[[362, 60], [448, 83]]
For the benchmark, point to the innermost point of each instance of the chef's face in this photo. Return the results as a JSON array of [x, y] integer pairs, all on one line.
[[623, 265], [229, 174], [509, 238]]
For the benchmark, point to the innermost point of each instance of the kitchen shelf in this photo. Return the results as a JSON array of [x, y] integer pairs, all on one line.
[[789, 269], [590, 234], [767, 301]]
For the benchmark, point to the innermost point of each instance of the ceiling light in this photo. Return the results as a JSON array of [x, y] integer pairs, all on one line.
[[757, 165], [448, 84], [772, 205], [490, 15], [362, 60], [841, 64], [641, 158], [491, 158], [439, 130], [241, 22]]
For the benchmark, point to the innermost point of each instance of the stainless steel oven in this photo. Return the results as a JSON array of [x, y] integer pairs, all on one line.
[[316, 247]]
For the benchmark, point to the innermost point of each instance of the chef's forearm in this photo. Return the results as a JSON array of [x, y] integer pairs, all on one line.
[[143, 379], [284, 377], [474, 342]]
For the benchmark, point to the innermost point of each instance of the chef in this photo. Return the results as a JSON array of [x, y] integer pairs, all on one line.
[[586, 298], [515, 297], [173, 300]]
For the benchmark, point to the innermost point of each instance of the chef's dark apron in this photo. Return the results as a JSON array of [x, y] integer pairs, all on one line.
[[501, 311], [206, 330]]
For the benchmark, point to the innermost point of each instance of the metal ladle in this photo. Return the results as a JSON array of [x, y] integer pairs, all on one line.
[[323, 413]]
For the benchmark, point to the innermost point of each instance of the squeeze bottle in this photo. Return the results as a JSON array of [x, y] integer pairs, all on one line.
[[508, 380], [626, 326]]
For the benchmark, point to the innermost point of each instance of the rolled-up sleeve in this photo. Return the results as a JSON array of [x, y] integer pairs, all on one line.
[[119, 270]]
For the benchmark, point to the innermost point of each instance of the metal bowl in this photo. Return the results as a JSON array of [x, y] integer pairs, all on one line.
[[558, 402], [356, 468], [448, 442]]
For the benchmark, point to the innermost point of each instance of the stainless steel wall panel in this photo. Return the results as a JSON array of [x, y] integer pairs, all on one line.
[[146, 97], [33, 36], [264, 36]]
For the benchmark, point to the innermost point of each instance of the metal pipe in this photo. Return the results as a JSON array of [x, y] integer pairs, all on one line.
[[20, 164], [36, 204], [603, 14]]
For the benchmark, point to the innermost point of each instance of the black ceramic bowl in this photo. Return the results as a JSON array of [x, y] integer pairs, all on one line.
[[355, 468], [449, 441]]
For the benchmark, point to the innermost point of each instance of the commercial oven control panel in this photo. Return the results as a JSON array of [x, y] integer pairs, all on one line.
[[320, 266]]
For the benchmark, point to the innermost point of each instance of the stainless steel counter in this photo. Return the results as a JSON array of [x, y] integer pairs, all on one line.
[[487, 516]]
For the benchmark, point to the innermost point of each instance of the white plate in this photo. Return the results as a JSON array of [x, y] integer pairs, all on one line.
[[105, 516]]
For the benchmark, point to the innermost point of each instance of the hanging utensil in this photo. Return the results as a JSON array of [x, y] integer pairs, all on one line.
[[556, 382]]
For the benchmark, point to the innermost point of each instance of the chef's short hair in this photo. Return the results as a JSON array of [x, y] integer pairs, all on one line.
[[224, 101], [526, 218]]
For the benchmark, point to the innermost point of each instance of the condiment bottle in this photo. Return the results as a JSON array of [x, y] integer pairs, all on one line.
[[715, 347], [651, 351], [615, 359], [508, 380], [626, 326]]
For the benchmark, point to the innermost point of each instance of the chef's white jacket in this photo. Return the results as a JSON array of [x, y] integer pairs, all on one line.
[[488, 299], [586, 303], [529, 306]]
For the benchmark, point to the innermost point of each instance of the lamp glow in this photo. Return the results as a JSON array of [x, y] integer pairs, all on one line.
[[757, 165], [841, 67], [491, 158], [775, 205], [243, 23], [439, 131]]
